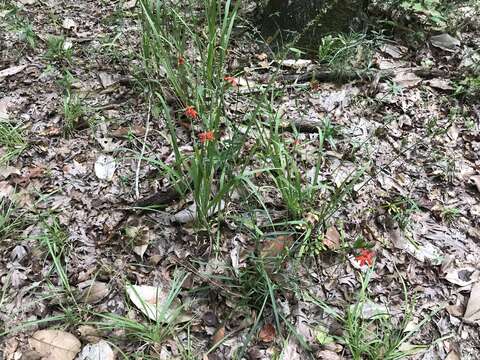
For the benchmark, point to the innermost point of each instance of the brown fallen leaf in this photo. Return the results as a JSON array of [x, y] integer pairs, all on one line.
[[55, 344], [274, 247], [267, 333], [11, 71], [125, 131], [218, 336], [472, 312], [332, 238], [328, 355], [94, 292], [406, 79]]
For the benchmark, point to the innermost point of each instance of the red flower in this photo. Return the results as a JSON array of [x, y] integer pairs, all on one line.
[[191, 113], [365, 257], [231, 80], [180, 61], [206, 136]]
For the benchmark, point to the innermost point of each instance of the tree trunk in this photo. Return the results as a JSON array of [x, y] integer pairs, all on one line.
[[308, 20]]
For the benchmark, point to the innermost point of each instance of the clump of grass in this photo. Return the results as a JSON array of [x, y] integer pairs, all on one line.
[[345, 52], [73, 111], [150, 334], [199, 88], [12, 141], [449, 214], [377, 336], [12, 219], [54, 240], [58, 49], [283, 169]]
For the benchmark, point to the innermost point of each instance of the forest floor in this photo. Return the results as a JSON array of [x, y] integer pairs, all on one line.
[[351, 231]]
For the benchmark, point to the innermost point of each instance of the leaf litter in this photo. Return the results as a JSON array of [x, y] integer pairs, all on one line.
[[85, 181]]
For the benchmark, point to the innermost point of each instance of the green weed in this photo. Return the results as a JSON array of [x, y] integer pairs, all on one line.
[[199, 88], [73, 111], [12, 219], [148, 333], [345, 52], [400, 208], [377, 336], [449, 214], [58, 49], [12, 141]]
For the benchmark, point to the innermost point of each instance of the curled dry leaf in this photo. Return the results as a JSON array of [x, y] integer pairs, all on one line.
[[55, 344], [151, 301], [476, 180], [445, 42], [463, 276], [94, 293], [97, 351], [332, 238], [218, 336], [267, 333], [274, 247], [472, 312]]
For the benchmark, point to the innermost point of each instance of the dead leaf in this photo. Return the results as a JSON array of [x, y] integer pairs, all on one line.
[[69, 24], [55, 344], [106, 79], [6, 171], [189, 214], [267, 333], [105, 167], [274, 247], [261, 56], [6, 190], [125, 131], [295, 64], [332, 238], [395, 51], [453, 132], [476, 181], [98, 351], [463, 276], [445, 42], [327, 355], [95, 292], [151, 301], [218, 336], [127, 5], [11, 71], [442, 84], [472, 312], [10, 346], [453, 355], [407, 79]]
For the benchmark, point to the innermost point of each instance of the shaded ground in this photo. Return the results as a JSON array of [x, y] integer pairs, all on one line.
[[415, 201]]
